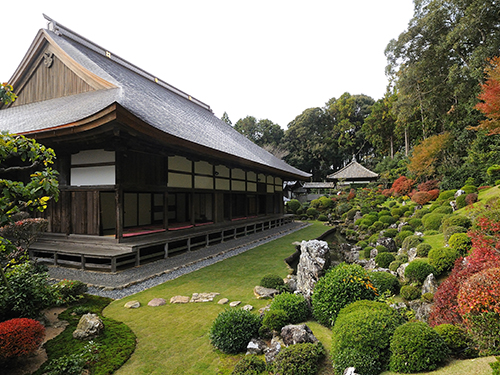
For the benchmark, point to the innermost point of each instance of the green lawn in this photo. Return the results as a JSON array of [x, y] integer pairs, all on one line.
[[173, 339]]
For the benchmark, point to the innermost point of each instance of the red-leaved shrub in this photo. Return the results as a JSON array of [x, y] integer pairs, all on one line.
[[402, 186], [421, 197], [20, 336], [484, 255], [428, 185], [470, 199], [434, 193]]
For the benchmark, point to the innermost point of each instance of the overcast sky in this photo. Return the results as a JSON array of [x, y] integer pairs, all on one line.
[[268, 59]]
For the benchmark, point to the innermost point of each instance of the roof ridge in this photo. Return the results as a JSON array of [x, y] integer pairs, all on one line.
[[62, 30]]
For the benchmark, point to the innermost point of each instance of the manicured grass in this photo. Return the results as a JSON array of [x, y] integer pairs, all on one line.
[[476, 366], [173, 339]]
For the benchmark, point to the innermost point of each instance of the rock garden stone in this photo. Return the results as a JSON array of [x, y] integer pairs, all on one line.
[[274, 348], [297, 334], [256, 346], [264, 293], [89, 326], [223, 301], [291, 282], [293, 260], [179, 299], [373, 253], [430, 284], [263, 310], [350, 371], [247, 307], [157, 302], [313, 263], [388, 242], [132, 305], [401, 271], [422, 310], [412, 254], [401, 225], [203, 297], [234, 303]]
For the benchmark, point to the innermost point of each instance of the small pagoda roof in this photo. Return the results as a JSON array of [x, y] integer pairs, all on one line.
[[353, 172]]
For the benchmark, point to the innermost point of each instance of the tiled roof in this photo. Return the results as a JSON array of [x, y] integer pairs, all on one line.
[[319, 185], [353, 170], [151, 100]]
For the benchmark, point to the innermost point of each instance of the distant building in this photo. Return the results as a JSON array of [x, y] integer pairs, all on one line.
[[353, 173], [145, 169]]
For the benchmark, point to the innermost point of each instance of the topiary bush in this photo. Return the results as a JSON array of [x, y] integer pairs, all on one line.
[[20, 337], [340, 286], [447, 194], [408, 228], [361, 337], [460, 242], [410, 242], [367, 252], [233, 329], [458, 220], [471, 198], [387, 220], [298, 359], [423, 250], [418, 270], [312, 212], [381, 249], [451, 230], [385, 281], [377, 226], [274, 320], [391, 232], [293, 205], [416, 347], [410, 292], [458, 341], [415, 222], [419, 214], [322, 217], [384, 259], [444, 209], [443, 259], [395, 265], [433, 221], [402, 235], [272, 281], [249, 365], [295, 305]]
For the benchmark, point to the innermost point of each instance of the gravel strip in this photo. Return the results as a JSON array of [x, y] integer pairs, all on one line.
[[134, 280]]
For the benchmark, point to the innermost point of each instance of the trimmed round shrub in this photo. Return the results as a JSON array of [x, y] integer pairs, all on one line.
[[396, 212], [298, 359], [447, 194], [443, 259], [418, 270], [312, 212], [373, 238], [377, 226], [385, 281], [295, 305], [427, 297], [351, 214], [381, 249], [249, 365], [457, 339], [433, 221], [461, 201], [415, 222], [370, 218], [387, 220], [384, 259], [274, 320], [362, 244], [407, 228], [419, 214], [459, 220], [233, 329], [469, 189], [272, 281], [460, 242], [391, 232], [20, 337], [410, 292], [416, 347], [340, 286], [322, 217], [293, 205], [384, 213], [445, 209], [423, 250], [471, 199], [410, 242], [451, 230], [403, 234], [367, 252], [361, 337]]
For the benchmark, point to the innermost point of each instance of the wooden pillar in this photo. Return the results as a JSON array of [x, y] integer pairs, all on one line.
[[119, 214]]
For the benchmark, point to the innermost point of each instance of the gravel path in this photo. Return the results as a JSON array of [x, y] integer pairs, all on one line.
[[125, 283]]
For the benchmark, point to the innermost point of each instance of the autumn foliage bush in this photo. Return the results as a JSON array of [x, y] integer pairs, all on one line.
[[483, 255], [19, 337], [402, 186], [421, 197]]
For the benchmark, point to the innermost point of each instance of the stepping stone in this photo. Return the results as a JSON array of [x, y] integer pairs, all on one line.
[[132, 305], [157, 302], [247, 307], [234, 303], [223, 301], [203, 297], [179, 299]]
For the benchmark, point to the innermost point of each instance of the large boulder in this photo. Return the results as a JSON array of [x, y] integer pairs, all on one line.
[[422, 310], [89, 326], [273, 350], [430, 284], [313, 263], [388, 242], [297, 334], [256, 346]]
